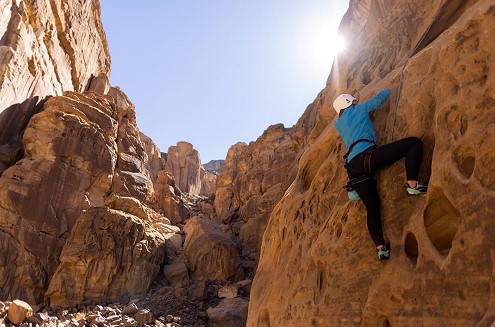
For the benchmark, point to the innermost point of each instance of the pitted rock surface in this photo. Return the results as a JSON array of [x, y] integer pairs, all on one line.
[[317, 259]]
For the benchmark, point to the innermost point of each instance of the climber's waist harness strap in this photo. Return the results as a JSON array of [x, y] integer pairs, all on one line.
[[367, 158], [346, 164]]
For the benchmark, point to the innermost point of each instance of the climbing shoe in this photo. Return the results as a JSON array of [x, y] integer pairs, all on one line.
[[419, 189], [384, 252]]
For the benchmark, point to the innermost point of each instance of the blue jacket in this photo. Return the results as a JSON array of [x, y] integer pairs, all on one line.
[[355, 123]]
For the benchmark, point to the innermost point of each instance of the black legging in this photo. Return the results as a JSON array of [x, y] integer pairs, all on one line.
[[384, 155]]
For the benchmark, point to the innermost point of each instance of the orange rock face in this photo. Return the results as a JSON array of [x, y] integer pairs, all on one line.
[[122, 255], [318, 265], [47, 48], [50, 47], [168, 198], [82, 153], [211, 253], [184, 163], [253, 179]]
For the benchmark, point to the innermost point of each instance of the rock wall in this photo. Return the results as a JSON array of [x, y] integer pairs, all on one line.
[[318, 265], [47, 47], [83, 169], [253, 179], [184, 163]]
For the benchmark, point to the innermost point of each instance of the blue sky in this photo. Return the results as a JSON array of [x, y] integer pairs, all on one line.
[[214, 73]]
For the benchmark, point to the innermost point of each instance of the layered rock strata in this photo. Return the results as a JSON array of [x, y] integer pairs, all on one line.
[[318, 265], [46, 48], [253, 179], [83, 159], [49, 47]]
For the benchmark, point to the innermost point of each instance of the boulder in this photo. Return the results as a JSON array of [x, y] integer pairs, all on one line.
[[122, 255], [199, 290], [229, 313], [130, 309], [229, 292], [144, 316], [176, 274], [19, 311], [211, 253]]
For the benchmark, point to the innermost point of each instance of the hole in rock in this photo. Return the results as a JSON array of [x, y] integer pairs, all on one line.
[[321, 283], [321, 279], [467, 166], [411, 247], [465, 161], [441, 221], [386, 323]]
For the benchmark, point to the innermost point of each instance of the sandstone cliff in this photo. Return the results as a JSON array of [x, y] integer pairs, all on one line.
[[184, 163], [84, 196], [318, 265], [46, 48], [80, 187], [75, 177], [253, 179]]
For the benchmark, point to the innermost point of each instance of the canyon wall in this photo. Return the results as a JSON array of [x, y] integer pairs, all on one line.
[[75, 205], [318, 265], [75, 179], [47, 47]]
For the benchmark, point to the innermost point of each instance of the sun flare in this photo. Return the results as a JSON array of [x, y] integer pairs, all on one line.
[[338, 45], [319, 48]]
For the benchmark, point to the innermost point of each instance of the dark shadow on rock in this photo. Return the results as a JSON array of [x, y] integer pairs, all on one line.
[[13, 122]]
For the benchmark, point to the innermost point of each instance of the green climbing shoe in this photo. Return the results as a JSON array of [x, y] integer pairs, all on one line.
[[384, 253], [419, 189]]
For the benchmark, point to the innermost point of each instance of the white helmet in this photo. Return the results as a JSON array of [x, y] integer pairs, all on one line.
[[343, 101]]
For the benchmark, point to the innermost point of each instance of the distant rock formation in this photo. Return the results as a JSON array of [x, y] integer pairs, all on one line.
[[214, 166], [318, 265], [184, 163], [155, 161], [168, 198]]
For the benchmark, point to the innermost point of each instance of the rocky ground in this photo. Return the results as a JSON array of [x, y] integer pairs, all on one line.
[[195, 303], [163, 305]]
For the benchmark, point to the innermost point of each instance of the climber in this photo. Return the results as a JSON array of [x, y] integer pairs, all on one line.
[[364, 157]]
